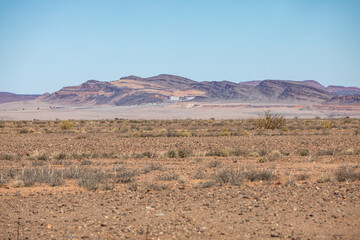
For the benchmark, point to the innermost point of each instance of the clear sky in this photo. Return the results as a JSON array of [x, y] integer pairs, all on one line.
[[48, 44]]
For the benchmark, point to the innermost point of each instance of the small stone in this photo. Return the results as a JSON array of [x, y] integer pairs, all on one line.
[[275, 234]]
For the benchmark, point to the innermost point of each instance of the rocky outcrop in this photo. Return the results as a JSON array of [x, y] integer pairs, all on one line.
[[346, 100]]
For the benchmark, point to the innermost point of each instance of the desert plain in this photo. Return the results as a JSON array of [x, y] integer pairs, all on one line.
[[180, 179]]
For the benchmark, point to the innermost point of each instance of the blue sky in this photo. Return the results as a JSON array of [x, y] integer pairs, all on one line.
[[48, 44]]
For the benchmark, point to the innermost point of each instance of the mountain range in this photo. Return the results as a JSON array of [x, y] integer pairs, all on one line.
[[164, 88], [12, 97]]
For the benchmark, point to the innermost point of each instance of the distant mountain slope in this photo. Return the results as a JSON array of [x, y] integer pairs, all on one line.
[[337, 90], [340, 90], [12, 97], [133, 90], [292, 91], [345, 100]]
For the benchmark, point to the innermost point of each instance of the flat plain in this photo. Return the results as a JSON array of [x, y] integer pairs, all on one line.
[[180, 179], [35, 109]]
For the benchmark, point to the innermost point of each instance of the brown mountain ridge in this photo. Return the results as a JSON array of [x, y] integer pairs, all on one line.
[[164, 88], [6, 97]]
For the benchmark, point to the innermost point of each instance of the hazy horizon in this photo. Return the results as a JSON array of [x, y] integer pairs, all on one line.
[[37, 93], [46, 45]]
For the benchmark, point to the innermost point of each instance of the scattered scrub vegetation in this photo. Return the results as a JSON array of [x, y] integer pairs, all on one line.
[[263, 175], [67, 125], [271, 156], [153, 167], [234, 177], [123, 175], [270, 121], [90, 179], [214, 164], [185, 153], [302, 176], [304, 152], [347, 173], [206, 184], [170, 176]]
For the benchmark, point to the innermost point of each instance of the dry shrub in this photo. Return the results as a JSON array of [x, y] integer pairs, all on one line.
[[38, 163], [60, 156], [67, 125], [153, 167], [225, 132], [18, 184], [271, 156], [146, 187], [218, 153], [169, 176], [5, 176], [200, 174], [214, 164], [347, 173], [304, 152], [43, 157], [324, 179], [171, 154], [53, 177], [326, 152], [302, 176], [90, 179], [290, 183], [184, 152], [146, 154], [207, 184], [327, 124], [7, 156], [348, 151], [124, 175], [80, 156], [239, 152], [270, 121], [234, 177], [73, 172], [85, 162], [263, 175]]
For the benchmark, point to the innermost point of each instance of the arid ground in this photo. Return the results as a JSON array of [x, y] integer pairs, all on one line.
[[180, 179], [35, 109]]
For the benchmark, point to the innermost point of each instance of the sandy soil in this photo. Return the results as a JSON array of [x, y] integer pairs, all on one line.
[[29, 110], [303, 200]]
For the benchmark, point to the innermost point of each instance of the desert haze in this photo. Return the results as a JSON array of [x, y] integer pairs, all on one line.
[[173, 97]]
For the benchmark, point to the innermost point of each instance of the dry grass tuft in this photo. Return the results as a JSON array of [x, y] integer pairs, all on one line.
[[270, 121]]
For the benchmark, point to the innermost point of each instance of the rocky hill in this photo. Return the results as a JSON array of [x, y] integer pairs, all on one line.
[[12, 97], [337, 90], [133, 90]]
